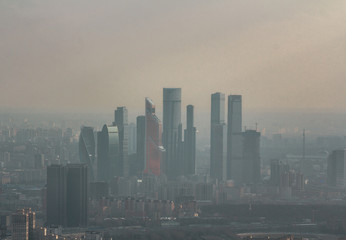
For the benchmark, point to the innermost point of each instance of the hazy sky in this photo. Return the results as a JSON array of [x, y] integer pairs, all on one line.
[[88, 55]]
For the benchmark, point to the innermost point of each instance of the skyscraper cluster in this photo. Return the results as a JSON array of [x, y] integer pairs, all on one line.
[[234, 154]]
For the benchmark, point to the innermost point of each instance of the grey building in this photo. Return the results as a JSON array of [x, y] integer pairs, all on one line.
[[171, 121], [67, 195], [251, 172], [132, 138], [108, 153], [336, 168], [121, 121], [218, 137], [140, 153], [87, 150], [190, 143], [234, 138]]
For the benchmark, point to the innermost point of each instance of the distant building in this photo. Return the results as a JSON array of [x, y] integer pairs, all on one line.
[[87, 149], [251, 157], [108, 162], [218, 137], [121, 121], [234, 137], [171, 121], [67, 195], [132, 138], [190, 143], [153, 149], [23, 225], [140, 152], [336, 169]]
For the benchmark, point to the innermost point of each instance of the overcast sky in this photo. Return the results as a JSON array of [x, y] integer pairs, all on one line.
[[95, 55]]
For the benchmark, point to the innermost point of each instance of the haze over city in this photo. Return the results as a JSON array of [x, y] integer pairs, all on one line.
[[136, 120]]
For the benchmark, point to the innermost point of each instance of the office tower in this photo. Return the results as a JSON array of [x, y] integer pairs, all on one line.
[[120, 120], [140, 152], [336, 172], [132, 138], [87, 149], [218, 137], [20, 225], [56, 195], [153, 144], [190, 143], [251, 171], [67, 195], [108, 153], [234, 138], [275, 172], [76, 195], [180, 162], [171, 121]]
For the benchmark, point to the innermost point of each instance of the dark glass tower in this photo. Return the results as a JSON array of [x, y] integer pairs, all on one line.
[[120, 120], [108, 153], [251, 172], [67, 195], [140, 152], [190, 143], [234, 138], [217, 137], [171, 121], [87, 149]]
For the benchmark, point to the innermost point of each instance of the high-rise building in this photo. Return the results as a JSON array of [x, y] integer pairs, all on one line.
[[87, 149], [67, 195], [23, 224], [132, 138], [190, 143], [140, 152], [171, 121], [76, 195], [121, 121], [251, 171], [234, 138], [218, 137], [153, 133], [56, 195], [108, 153], [336, 168]]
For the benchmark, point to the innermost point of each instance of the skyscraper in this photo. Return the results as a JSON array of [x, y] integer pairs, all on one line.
[[132, 138], [140, 152], [67, 196], [217, 137], [171, 121], [87, 149], [251, 172], [153, 143], [120, 120], [76, 195], [190, 143], [108, 153], [234, 138], [336, 169], [56, 195]]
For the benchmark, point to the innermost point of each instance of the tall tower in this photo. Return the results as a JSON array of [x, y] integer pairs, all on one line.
[[171, 121], [67, 196], [76, 195], [140, 152], [153, 145], [87, 149], [190, 143], [251, 172], [108, 153], [56, 195], [217, 137], [234, 138], [121, 121]]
